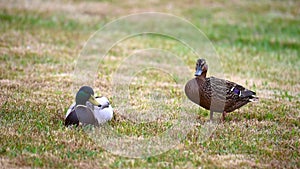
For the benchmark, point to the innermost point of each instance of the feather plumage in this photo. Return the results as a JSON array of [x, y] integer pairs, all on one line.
[[216, 95]]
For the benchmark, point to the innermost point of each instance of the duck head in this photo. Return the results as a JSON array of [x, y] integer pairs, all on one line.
[[201, 67], [85, 94]]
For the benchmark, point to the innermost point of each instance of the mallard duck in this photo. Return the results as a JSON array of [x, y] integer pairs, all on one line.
[[216, 95], [88, 109]]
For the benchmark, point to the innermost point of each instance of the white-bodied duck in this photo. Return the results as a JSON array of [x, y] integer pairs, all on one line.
[[88, 109]]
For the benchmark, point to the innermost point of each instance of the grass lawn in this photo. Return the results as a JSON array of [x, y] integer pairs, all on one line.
[[258, 43]]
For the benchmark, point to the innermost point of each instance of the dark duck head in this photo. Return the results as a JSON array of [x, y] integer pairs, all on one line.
[[201, 68], [85, 94]]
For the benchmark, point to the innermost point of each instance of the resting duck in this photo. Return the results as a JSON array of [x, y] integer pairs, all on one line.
[[88, 109], [214, 94]]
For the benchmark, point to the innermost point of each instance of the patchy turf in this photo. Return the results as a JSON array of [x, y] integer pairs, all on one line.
[[258, 44]]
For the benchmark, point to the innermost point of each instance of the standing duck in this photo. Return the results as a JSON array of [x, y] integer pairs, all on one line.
[[88, 109], [214, 94]]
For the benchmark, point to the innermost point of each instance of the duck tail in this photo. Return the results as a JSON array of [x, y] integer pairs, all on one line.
[[250, 94], [247, 93]]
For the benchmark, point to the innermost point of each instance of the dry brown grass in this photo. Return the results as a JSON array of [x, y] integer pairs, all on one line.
[[39, 45]]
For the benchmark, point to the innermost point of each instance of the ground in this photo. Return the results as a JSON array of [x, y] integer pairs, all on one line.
[[258, 45]]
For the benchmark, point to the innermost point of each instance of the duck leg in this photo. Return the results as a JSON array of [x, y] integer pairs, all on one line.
[[211, 115], [223, 116]]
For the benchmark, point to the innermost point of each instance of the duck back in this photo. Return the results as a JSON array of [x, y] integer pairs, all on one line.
[[216, 94]]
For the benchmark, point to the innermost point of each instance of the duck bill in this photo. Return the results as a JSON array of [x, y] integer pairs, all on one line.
[[93, 100], [198, 72]]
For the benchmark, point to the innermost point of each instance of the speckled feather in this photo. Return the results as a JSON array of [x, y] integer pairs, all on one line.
[[218, 97]]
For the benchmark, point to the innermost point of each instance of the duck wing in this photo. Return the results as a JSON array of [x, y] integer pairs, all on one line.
[[228, 95], [234, 89], [85, 115], [71, 108], [237, 96], [71, 117]]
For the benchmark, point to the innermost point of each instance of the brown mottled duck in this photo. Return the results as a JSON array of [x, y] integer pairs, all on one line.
[[214, 94]]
